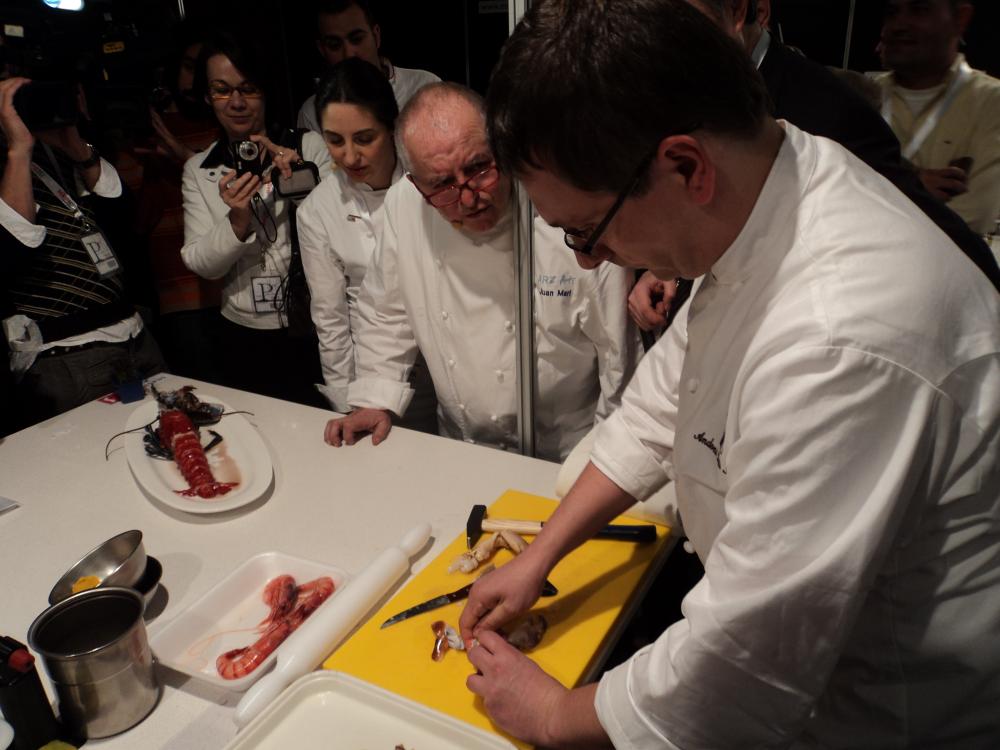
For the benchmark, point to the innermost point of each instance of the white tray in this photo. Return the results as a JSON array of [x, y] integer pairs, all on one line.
[[227, 616], [331, 709], [241, 453]]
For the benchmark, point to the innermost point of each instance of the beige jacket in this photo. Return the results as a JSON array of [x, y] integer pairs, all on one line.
[[969, 127]]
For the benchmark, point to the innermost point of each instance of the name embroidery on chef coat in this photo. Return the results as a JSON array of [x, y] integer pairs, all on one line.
[[710, 444], [555, 285]]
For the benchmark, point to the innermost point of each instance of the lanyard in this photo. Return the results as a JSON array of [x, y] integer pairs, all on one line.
[[60, 192], [911, 148]]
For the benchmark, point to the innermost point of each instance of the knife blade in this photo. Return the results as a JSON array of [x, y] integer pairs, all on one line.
[[440, 601]]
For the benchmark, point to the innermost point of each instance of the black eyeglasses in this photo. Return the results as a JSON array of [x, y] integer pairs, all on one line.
[[585, 245]]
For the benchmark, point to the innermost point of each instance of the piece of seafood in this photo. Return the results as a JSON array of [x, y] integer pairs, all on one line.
[[485, 548], [287, 613], [524, 636], [200, 412], [445, 637], [528, 633], [178, 436]]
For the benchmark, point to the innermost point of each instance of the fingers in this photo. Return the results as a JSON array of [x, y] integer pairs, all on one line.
[[331, 435], [380, 430]]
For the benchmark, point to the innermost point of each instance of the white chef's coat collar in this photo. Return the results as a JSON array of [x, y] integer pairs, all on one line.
[[761, 48], [364, 187], [783, 184]]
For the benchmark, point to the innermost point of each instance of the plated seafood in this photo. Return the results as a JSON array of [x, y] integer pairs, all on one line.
[[179, 439], [290, 605]]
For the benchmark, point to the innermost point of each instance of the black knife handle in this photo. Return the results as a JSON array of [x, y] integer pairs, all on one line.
[[641, 533]]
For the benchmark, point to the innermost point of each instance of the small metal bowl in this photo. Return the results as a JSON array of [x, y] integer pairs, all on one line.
[[120, 561]]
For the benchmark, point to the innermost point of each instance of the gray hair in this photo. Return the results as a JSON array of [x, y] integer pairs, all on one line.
[[426, 97]]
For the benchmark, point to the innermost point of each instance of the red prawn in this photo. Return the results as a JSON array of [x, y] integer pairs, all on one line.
[[177, 433], [287, 613]]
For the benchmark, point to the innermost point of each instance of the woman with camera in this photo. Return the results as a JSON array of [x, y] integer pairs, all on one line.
[[340, 223], [238, 227]]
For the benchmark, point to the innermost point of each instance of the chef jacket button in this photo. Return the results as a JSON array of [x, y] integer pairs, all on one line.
[[688, 547], [470, 441], [451, 363], [461, 407], [693, 384], [499, 376], [508, 326], [444, 315], [493, 417]]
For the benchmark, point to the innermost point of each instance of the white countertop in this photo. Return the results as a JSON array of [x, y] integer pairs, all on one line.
[[340, 506]]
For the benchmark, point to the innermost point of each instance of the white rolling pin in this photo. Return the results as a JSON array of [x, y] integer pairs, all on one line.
[[318, 636]]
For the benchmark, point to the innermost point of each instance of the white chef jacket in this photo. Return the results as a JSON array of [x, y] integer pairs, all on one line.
[[832, 419], [449, 294], [404, 82], [339, 225], [252, 269]]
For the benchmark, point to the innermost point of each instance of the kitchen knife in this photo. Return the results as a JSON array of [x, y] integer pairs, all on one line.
[[440, 601]]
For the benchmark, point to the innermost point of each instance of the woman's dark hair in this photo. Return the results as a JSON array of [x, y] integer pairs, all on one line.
[[245, 55], [590, 88], [355, 81]]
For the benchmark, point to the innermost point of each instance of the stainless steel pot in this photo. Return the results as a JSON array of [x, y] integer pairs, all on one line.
[[94, 648]]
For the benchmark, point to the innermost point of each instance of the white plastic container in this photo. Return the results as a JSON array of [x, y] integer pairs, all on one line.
[[228, 616], [332, 709]]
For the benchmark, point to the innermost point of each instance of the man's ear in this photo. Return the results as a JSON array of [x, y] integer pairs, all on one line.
[[684, 161], [739, 10], [963, 17], [764, 13], [377, 33]]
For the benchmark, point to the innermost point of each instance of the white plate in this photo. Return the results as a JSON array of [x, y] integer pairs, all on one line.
[[333, 709], [228, 615], [241, 454]]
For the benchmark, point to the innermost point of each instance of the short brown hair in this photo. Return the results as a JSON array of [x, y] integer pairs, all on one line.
[[589, 88]]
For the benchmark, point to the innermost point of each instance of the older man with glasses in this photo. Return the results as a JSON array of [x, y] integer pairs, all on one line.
[[442, 283]]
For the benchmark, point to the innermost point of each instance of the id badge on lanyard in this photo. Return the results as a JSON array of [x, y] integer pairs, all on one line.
[[92, 238]]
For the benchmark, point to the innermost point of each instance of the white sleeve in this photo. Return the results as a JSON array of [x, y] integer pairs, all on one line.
[[607, 324], [307, 115], [327, 281], [210, 245], [829, 447], [385, 347], [24, 231], [108, 185], [635, 445]]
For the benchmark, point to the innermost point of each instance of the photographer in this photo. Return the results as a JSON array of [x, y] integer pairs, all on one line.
[[72, 334], [238, 229]]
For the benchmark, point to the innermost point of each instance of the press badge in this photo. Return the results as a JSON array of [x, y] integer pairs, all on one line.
[[100, 253], [265, 291]]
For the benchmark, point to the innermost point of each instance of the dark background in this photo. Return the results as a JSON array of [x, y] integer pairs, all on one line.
[[455, 39]]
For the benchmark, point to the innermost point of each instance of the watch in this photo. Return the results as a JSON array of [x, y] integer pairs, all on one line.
[[91, 160]]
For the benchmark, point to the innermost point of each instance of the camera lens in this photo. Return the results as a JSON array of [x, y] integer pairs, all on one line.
[[248, 150]]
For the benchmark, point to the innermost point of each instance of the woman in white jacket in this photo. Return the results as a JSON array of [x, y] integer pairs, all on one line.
[[340, 223], [238, 230]]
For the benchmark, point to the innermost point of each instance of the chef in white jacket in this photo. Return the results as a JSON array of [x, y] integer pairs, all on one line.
[[236, 229], [828, 406], [442, 283]]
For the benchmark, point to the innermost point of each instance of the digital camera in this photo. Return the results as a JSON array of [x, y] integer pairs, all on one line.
[[247, 158]]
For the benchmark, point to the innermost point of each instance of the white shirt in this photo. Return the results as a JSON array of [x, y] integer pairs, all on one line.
[[339, 226], [830, 408], [252, 269], [450, 295], [404, 82]]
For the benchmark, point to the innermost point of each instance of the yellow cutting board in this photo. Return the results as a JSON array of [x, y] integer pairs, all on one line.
[[596, 582]]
